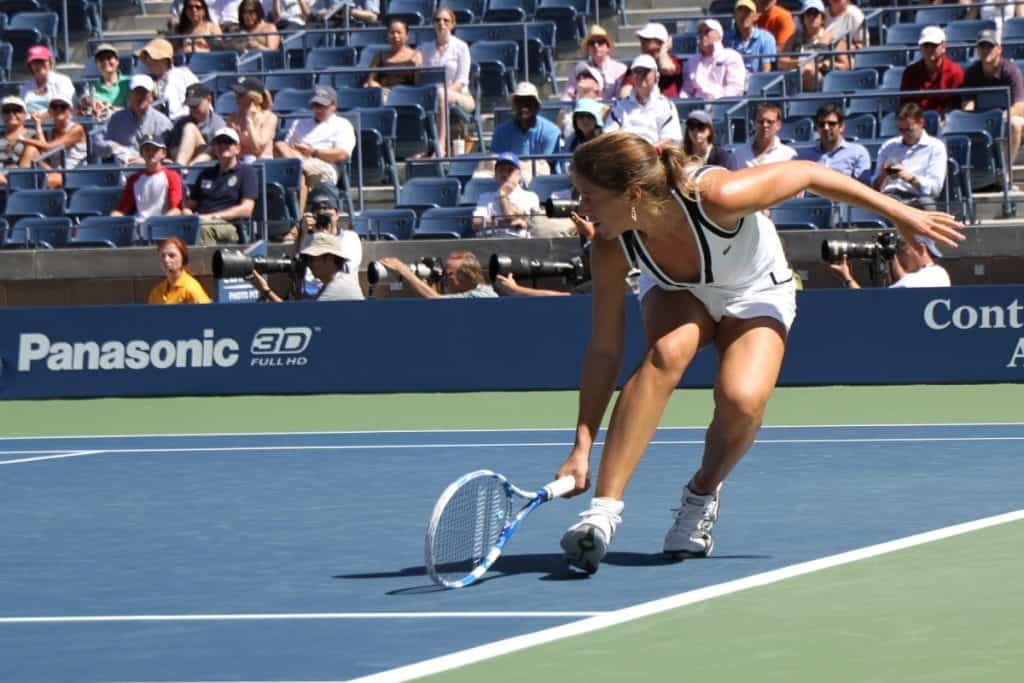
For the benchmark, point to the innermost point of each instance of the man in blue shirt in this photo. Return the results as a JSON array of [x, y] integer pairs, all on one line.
[[912, 165], [755, 44], [527, 133], [224, 194], [835, 151]]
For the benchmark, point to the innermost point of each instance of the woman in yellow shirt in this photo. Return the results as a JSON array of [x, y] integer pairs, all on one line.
[[179, 287]]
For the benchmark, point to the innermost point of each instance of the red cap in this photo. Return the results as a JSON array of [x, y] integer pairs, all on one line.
[[39, 52]]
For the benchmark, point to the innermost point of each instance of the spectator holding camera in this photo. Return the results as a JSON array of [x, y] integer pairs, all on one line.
[[463, 278], [912, 166], [225, 193], [913, 266], [178, 285], [323, 214], [154, 191], [506, 212]]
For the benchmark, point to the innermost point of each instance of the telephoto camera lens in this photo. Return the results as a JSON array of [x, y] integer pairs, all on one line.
[[236, 263], [427, 269], [560, 208], [884, 246], [523, 266]]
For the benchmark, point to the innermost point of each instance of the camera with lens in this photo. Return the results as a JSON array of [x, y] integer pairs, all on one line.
[[323, 220], [427, 269], [236, 263], [574, 270], [883, 248], [561, 208]]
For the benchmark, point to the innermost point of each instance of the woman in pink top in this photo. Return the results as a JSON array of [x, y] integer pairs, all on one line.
[[253, 119]]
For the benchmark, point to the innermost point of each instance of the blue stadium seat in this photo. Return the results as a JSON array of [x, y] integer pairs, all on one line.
[[34, 204], [958, 181], [93, 176], [290, 100], [475, 187], [985, 129], [21, 39], [857, 217], [46, 233], [375, 152], [385, 224], [545, 185], [540, 52], [93, 201], [359, 98], [220, 61], [499, 69], [808, 106], [903, 34], [684, 44], [810, 213], [850, 81], [416, 129], [569, 27], [226, 103], [445, 223], [467, 11], [46, 23], [887, 126], [104, 231], [412, 12], [360, 38], [368, 52], [797, 130], [892, 78], [321, 58], [861, 127], [939, 15], [12, 237], [509, 11], [765, 84], [420, 194], [288, 80], [157, 228], [288, 174], [1013, 29], [474, 33], [6, 56], [280, 213], [966, 30]]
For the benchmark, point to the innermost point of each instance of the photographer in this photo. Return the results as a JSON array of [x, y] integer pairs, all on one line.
[[912, 266], [325, 258], [463, 278]]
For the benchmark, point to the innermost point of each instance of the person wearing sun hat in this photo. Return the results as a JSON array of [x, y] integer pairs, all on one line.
[[127, 127], [527, 132], [45, 82], [598, 45], [655, 41], [934, 71], [14, 153], [172, 82], [715, 71], [646, 112], [755, 44]]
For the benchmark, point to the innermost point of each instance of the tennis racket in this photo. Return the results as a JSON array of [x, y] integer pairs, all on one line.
[[473, 520]]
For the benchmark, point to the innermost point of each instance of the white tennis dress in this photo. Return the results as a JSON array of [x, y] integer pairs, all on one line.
[[744, 272]]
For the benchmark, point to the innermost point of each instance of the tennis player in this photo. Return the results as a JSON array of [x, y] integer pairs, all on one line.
[[712, 272]]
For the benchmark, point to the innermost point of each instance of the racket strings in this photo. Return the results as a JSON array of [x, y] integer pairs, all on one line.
[[469, 526]]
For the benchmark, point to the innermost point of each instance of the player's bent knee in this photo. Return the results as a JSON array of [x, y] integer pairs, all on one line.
[[671, 353], [744, 402]]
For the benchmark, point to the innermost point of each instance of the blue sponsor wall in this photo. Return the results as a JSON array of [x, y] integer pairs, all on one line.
[[961, 334]]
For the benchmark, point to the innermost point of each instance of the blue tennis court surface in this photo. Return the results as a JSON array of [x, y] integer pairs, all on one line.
[[299, 557]]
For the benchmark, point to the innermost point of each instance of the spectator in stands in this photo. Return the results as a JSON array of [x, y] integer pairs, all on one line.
[[453, 54], [756, 44], [587, 123], [992, 69], [292, 15], [463, 278], [254, 119], [155, 190], [196, 22], [66, 133], [765, 148], [14, 153], [354, 12], [252, 20], [45, 82], [188, 140], [996, 10], [171, 81], [527, 133], [506, 212], [178, 285], [224, 194], [775, 19], [844, 22], [699, 141], [588, 87], [933, 72], [811, 37], [911, 167], [655, 41], [598, 46], [400, 54], [913, 266], [835, 151], [715, 71], [646, 111], [129, 126], [110, 91], [320, 142]]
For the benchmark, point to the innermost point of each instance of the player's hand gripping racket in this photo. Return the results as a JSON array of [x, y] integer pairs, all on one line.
[[473, 520]]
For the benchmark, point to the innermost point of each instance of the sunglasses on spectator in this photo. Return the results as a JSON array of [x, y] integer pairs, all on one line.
[[197, 7], [223, 140], [640, 72], [11, 110], [827, 124], [598, 41]]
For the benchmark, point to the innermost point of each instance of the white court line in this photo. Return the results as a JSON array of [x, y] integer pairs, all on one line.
[[297, 616], [59, 456], [501, 647], [887, 425], [533, 444]]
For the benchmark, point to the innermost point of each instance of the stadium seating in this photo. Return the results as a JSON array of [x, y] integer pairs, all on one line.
[[104, 231], [420, 194], [545, 185], [412, 12], [385, 224], [157, 228], [445, 223], [809, 213], [475, 187], [416, 131], [498, 61], [45, 233], [93, 201], [202, 63], [34, 204]]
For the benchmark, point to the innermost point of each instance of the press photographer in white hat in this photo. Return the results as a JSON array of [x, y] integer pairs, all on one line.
[[913, 266]]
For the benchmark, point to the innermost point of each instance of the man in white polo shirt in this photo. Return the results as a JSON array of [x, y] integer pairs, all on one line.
[[765, 148], [646, 111], [321, 142]]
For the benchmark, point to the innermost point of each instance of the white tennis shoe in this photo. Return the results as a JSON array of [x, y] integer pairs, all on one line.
[[586, 542], [690, 535]]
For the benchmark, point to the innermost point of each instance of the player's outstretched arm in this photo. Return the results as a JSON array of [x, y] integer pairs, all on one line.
[[728, 196]]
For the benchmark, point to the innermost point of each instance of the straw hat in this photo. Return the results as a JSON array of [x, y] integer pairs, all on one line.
[[597, 31]]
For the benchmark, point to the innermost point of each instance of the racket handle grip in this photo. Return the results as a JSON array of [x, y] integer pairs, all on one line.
[[560, 487]]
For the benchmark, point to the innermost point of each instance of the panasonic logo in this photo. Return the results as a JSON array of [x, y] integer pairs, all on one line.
[[135, 354], [940, 314]]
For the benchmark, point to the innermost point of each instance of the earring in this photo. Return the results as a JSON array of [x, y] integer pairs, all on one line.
[[632, 213]]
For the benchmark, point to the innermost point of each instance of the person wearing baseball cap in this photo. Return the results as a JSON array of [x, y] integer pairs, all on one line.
[[171, 81], [992, 69], [655, 41], [934, 71], [14, 153], [224, 195], [189, 140], [506, 211], [527, 133], [598, 45], [913, 266], [715, 71], [775, 19], [155, 190], [755, 44], [127, 127], [699, 141], [44, 82], [254, 119], [646, 112], [320, 142], [110, 90]]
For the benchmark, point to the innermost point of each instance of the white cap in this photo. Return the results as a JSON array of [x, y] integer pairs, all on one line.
[[227, 132], [142, 81], [15, 100], [593, 71], [644, 62], [525, 89], [653, 31], [712, 24], [932, 34]]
